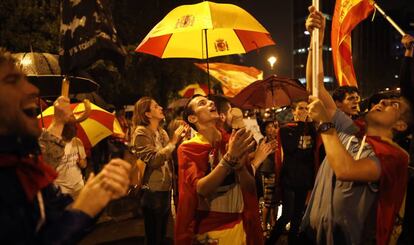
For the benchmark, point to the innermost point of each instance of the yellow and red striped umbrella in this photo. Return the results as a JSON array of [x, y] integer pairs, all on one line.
[[183, 33], [99, 125]]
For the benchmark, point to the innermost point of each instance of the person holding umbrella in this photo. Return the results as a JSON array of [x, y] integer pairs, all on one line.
[[153, 147], [32, 209]]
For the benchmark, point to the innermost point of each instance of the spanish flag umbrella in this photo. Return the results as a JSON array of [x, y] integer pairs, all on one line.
[[205, 30], [99, 125]]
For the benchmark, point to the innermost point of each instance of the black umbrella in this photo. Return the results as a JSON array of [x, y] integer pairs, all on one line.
[[43, 70], [50, 85]]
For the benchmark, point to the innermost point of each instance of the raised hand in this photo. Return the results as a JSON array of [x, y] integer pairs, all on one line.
[[63, 113], [262, 151], [408, 43], [180, 133], [317, 110], [240, 142], [315, 20]]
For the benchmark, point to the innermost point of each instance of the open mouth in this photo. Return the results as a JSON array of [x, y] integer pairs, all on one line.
[[32, 112]]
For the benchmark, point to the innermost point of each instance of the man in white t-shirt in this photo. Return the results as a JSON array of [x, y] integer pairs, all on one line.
[[70, 177]]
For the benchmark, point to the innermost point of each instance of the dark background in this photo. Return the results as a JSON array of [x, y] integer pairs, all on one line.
[[26, 24]]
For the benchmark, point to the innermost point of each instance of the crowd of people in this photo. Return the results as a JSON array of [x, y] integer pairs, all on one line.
[[340, 175]]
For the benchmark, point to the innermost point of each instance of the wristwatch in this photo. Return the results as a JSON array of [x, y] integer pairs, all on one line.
[[325, 126]]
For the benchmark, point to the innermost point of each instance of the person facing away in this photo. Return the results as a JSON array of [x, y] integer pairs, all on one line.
[[360, 186], [217, 194], [70, 178], [154, 148], [32, 209]]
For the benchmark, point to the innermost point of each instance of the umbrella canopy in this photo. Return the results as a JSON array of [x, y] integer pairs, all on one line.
[[50, 85], [272, 92], [43, 70], [226, 28], [99, 125]]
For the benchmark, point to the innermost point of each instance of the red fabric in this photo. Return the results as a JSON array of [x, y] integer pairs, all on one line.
[[193, 164], [346, 16], [154, 45], [252, 40], [393, 184], [209, 221], [32, 172]]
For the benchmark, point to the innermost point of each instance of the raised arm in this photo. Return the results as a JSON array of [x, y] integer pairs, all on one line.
[[317, 20], [407, 69]]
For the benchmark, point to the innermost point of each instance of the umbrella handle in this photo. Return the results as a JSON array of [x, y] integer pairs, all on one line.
[[86, 102]]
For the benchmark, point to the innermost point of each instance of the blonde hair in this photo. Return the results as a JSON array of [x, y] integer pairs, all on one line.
[[142, 106]]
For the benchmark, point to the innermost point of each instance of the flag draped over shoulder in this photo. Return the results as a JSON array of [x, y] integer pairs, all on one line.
[[233, 78], [87, 35], [348, 14]]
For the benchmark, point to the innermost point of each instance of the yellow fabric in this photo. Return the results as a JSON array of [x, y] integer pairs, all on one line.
[[94, 130], [232, 236], [196, 87], [187, 23], [206, 15], [198, 138], [233, 78]]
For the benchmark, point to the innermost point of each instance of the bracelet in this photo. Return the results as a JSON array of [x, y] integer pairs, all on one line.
[[230, 159], [238, 166]]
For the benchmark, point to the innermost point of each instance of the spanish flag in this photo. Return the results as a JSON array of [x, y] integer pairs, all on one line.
[[233, 78], [348, 14]]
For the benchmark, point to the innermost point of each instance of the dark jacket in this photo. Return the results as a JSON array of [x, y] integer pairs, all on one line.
[[19, 216]]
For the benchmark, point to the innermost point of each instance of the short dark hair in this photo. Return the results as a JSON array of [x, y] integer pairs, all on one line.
[[263, 126], [222, 103], [340, 92], [377, 97], [296, 102], [188, 110]]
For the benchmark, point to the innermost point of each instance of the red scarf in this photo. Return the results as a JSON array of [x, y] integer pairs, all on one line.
[[32, 172], [393, 184]]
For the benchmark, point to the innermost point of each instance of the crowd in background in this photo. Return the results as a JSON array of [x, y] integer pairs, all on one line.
[[203, 167]]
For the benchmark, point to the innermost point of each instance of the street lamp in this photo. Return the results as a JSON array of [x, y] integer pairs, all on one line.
[[272, 60]]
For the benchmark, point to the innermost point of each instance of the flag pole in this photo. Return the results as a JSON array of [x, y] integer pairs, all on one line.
[[315, 55], [208, 67], [391, 21]]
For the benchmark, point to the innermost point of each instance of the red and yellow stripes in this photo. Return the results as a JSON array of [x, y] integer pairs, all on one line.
[[348, 14]]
